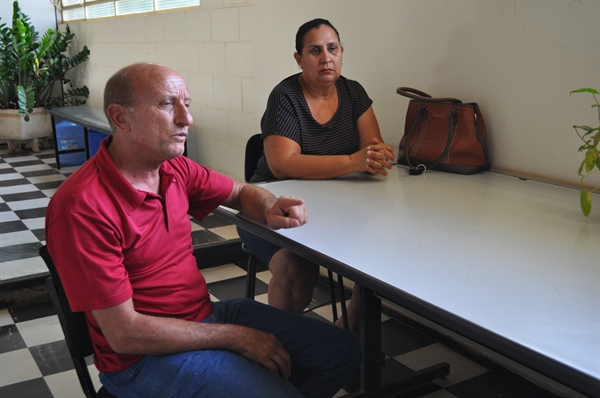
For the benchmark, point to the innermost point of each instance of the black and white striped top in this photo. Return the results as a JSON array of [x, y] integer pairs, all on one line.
[[288, 115]]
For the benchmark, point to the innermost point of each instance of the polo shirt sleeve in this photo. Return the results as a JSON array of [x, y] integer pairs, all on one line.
[[87, 251], [206, 188]]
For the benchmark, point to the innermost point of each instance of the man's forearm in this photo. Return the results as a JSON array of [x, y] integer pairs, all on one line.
[[130, 332], [254, 202], [260, 205]]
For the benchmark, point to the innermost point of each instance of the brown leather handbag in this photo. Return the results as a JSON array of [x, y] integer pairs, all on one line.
[[442, 134]]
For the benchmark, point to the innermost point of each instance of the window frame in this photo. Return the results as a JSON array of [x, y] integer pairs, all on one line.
[[83, 4]]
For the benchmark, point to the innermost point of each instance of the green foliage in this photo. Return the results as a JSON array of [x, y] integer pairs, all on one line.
[[30, 68], [591, 161]]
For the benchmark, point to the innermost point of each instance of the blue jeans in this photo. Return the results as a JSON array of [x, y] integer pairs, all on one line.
[[324, 358]]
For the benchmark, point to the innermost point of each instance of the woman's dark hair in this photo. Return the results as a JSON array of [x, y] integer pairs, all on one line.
[[307, 27]]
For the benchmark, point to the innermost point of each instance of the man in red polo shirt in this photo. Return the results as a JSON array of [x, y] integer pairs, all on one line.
[[119, 233]]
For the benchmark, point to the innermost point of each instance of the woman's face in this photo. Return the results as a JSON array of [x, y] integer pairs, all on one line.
[[321, 58]]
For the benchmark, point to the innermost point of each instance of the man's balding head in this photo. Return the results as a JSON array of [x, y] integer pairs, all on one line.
[[130, 83]]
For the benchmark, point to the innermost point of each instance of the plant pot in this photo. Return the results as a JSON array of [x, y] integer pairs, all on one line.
[[15, 130]]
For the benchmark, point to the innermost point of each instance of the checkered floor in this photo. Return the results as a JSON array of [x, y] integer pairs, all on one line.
[[34, 361]]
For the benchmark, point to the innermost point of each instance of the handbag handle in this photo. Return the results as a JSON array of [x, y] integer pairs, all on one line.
[[421, 96], [453, 121]]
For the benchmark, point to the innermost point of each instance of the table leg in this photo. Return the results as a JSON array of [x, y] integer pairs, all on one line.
[[370, 339]]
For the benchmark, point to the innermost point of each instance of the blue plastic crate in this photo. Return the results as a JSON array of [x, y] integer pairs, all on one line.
[[94, 140], [70, 136]]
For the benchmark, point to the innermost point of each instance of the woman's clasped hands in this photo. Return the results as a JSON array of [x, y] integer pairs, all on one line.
[[378, 157]]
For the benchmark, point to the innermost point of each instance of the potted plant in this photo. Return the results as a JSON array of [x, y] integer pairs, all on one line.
[[591, 162], [31, 71]]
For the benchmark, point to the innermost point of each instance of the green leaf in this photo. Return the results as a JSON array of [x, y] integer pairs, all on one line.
[[27, 61], [586, 128], [26, 100], [585, 199], [591, 156], [585, 90]]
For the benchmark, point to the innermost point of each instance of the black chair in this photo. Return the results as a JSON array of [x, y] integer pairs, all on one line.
[[75, 329], [254, 151]]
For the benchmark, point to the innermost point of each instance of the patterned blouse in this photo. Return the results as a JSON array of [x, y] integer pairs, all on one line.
[[288, 115]]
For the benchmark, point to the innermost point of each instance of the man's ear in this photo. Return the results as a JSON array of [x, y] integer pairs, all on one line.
[[118, 115]]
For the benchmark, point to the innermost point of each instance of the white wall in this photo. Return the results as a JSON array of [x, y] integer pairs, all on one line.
[[518, 59], [40, 13], [210, 46]]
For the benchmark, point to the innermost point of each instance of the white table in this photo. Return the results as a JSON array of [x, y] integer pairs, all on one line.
[[510, 264]]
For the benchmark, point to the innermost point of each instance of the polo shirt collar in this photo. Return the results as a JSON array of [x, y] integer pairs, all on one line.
[[129, 197]]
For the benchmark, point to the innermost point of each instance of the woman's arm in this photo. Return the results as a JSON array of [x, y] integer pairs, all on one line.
[[368, 128], [286, 160], [370, 138]]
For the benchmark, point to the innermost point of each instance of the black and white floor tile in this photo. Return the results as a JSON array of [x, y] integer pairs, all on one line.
[[34, 361]]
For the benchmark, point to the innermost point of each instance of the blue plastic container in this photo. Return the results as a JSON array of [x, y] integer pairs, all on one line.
[[94, 140], [70, 136]]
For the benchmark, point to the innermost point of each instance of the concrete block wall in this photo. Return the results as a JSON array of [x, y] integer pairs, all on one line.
[[211, 46], [518, 60]]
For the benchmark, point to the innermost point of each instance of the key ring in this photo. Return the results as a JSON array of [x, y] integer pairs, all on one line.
[[415, 171]]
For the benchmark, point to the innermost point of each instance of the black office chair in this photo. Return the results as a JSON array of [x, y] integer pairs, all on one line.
[[75, 329], [254, 151]]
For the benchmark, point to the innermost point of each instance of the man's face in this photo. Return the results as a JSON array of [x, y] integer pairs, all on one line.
[[160, 118]]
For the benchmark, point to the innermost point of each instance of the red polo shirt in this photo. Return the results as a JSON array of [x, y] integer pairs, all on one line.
[[111, 242]]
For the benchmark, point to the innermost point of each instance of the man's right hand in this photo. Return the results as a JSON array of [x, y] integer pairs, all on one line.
[[264, 349], [287, 212]]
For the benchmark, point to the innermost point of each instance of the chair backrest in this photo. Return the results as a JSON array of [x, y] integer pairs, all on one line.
[[254, 151], [74, 327]]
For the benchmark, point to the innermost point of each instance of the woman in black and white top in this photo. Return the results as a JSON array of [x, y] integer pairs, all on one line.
[[317, 125]]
